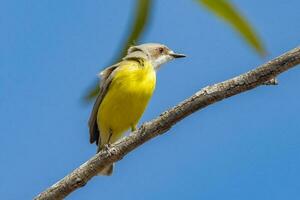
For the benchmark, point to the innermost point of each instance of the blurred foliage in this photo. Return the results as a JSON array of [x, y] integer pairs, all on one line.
[[222, 8], [226, 11], [143, 9]]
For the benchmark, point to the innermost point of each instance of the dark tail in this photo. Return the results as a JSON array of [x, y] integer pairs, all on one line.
[[108, 170]]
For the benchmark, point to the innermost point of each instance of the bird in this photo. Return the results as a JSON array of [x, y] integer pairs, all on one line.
[[125, 90]]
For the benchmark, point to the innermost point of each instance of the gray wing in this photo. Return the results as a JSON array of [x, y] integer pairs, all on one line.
[[106, 77]]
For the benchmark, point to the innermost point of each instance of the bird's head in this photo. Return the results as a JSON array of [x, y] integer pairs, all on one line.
[[157, 53]]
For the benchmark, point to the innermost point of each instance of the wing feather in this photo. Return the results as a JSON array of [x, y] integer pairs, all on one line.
[[106, 77]]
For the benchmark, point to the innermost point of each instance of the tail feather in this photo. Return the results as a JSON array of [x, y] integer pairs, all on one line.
[[107, 171]]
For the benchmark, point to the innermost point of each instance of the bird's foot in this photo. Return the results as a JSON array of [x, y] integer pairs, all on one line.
[[133, 128], [109, 149]]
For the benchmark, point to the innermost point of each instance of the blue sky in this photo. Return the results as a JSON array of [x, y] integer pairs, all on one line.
[[246, 147]]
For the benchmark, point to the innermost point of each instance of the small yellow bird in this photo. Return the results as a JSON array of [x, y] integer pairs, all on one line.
[[125, 90]]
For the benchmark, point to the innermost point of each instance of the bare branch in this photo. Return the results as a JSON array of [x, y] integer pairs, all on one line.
[[272, 81], [208, 95]]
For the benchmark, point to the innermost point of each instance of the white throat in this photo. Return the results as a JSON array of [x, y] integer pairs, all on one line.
[[160, 61]]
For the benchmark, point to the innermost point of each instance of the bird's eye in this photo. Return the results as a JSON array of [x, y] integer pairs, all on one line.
[[161, 50]]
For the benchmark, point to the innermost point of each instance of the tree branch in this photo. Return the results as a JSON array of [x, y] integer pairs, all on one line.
[[207, 96]]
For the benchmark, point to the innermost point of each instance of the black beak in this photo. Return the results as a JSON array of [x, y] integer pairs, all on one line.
[[177, 55]]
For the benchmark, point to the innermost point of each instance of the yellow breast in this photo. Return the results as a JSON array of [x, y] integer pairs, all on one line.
[[126, 99]]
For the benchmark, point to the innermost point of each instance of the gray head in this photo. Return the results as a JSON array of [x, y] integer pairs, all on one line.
[[157, 53]]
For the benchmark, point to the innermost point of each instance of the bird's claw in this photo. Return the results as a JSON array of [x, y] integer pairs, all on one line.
[[109, 149]]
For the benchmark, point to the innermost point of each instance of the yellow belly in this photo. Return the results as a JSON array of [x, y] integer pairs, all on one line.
[[126, 99]]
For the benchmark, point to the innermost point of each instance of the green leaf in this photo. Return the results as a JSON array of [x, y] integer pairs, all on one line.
[[142, 13], [226, 10], [141, 17]]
